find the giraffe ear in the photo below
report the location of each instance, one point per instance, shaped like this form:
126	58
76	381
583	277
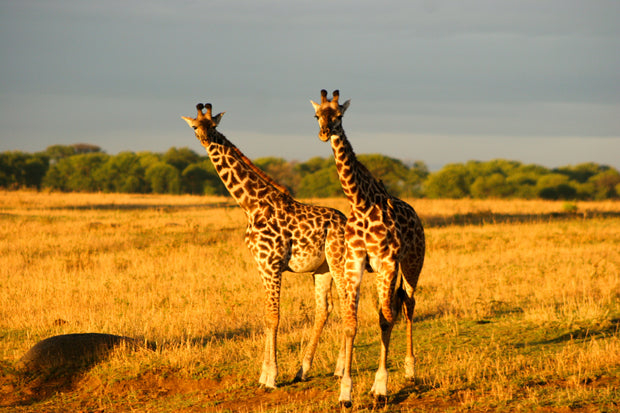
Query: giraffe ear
315	105
345	105
189	121
217	118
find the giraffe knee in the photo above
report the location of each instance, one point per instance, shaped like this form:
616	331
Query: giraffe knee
272	321
350	328
386	323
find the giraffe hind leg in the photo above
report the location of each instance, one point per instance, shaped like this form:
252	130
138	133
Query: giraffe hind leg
322	292
272	281
411	271
390	301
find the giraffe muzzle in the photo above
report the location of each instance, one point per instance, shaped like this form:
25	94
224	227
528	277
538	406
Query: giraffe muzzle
325	134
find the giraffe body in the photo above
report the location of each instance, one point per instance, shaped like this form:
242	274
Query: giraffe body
382	229
282	235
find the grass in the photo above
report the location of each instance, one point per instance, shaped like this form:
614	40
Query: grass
518	308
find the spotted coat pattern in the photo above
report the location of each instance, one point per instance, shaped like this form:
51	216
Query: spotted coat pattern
381	228
282	234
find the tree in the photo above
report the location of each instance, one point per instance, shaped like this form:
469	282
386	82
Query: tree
82	148
491	186
163	178
76	173
313	165
605	184
323	183
122	173
20	169
5	171
492	167
213	185
451	181
418	173
280	170
58	152
34	171
147	158
391	171
180	158
555	186
193	179
581	172
523	184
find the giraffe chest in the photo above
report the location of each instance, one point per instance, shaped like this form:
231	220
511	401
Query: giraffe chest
374	230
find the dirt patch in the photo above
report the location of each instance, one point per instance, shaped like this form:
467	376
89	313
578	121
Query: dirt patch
173	392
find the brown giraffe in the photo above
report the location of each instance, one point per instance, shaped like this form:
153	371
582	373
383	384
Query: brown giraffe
382	229
282	235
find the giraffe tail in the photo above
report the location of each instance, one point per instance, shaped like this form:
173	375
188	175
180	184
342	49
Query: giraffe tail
393	302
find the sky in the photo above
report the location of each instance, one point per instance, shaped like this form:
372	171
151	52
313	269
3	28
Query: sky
537	81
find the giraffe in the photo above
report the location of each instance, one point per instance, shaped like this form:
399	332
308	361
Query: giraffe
282	235
382	229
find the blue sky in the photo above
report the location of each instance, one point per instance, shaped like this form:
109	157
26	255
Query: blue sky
437	81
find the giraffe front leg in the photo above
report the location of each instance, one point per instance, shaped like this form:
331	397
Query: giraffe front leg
354	269
346	383
269	372
339	370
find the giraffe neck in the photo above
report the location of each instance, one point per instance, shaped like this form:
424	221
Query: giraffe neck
247	184
358	184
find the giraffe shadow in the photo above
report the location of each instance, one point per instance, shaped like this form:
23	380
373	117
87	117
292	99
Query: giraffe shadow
393	401
416	386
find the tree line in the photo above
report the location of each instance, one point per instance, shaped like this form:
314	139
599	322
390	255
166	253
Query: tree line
86	168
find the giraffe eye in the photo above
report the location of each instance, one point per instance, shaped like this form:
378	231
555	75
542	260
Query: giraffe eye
195	127
316	116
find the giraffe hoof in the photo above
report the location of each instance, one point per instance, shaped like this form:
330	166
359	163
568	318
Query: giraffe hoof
346	404
300	376
267	388
380	401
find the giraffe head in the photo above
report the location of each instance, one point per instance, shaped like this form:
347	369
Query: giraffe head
329	114
204	121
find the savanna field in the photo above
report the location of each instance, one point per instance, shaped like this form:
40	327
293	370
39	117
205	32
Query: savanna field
518	308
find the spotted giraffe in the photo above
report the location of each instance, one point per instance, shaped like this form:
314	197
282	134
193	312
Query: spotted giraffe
282	235
382	229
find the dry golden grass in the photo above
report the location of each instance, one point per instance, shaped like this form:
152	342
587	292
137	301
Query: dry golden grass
513	314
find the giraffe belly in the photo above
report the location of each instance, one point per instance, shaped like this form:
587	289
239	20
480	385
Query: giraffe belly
305	261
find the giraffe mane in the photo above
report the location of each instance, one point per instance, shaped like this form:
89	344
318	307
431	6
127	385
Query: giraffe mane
260	172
